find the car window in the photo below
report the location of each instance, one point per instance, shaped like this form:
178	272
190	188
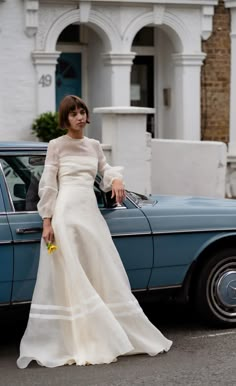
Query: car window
22	175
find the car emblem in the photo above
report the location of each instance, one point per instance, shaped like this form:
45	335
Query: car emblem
232	291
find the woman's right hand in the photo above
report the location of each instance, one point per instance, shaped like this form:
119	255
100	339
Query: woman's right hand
48	234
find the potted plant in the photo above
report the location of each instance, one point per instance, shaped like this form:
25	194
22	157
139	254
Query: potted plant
46	126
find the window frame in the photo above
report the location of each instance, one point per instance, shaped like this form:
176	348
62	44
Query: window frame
9	198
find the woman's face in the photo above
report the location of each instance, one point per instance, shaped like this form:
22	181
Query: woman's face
77	120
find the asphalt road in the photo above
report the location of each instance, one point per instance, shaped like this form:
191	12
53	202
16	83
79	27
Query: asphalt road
199	356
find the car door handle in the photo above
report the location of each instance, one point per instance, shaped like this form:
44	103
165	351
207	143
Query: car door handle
26	231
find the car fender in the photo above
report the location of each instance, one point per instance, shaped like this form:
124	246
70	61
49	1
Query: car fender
207	249
212	241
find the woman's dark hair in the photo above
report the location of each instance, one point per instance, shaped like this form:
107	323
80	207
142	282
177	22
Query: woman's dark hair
68	104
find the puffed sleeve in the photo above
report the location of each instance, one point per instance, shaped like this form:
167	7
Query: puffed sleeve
109	173
48	185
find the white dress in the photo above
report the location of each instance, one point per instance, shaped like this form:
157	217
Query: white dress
82	310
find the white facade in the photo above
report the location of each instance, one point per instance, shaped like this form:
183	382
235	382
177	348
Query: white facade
29	32
107	52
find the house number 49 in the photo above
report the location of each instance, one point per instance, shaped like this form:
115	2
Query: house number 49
45	80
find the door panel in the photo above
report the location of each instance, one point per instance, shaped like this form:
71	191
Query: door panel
22	174
26	254
131	234
6	256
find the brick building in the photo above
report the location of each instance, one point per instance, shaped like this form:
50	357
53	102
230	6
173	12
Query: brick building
215	79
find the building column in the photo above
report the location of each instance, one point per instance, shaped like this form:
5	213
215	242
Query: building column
187	95
118	77
124	128
45	64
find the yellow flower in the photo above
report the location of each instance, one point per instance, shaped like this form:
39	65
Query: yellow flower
51	247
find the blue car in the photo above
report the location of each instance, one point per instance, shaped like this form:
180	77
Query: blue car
183	247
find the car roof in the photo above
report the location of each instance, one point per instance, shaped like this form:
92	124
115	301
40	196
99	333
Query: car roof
20	145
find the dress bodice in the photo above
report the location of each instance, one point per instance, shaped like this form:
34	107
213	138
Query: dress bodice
73	162
77	170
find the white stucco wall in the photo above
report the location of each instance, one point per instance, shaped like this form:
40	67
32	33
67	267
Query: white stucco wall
188	167
17	76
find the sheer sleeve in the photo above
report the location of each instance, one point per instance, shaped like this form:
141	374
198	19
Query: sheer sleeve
48	185
109	173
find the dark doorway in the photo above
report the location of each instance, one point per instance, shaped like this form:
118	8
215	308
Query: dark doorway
142	89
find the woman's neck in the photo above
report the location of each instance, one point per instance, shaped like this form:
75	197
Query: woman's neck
75	134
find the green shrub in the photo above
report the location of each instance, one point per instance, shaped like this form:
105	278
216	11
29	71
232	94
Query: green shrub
46	127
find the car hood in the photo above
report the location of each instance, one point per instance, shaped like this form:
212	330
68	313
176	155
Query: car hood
180	213
192	201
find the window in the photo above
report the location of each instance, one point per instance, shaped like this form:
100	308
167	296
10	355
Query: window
22	175
71	34
144	37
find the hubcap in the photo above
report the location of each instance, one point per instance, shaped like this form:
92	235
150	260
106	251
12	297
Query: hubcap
221	289
226	289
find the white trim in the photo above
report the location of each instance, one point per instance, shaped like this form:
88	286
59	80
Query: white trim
144	50
48	187
181	35
207	21
97	21
230	3
63	308
65	317
124	110
80	314
31	8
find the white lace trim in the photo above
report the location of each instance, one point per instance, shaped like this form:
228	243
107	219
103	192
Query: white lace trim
65	317
75	315
48	187
51	166
62	308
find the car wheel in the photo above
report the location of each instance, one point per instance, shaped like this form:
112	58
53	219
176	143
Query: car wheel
216	289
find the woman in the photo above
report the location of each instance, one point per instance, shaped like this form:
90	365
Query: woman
82	310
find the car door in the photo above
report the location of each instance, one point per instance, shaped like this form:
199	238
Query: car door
22	173
132	236
6	252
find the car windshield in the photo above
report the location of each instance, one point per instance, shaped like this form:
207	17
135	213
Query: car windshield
137	196
140	199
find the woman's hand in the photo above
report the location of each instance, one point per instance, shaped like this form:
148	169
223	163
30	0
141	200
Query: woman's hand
118	190
48	234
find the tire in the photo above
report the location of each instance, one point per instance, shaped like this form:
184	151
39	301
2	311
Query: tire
215	295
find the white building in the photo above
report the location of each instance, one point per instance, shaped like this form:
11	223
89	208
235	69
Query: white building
146	53
132	52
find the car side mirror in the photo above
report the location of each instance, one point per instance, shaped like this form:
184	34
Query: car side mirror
19	191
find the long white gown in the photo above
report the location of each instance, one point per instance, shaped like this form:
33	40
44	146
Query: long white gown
82	310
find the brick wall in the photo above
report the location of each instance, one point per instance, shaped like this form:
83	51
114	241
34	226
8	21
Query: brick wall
215	79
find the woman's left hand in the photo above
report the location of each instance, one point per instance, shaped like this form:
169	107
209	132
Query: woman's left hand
118	190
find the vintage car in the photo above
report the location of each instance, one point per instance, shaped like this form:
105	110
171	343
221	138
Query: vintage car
181	246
